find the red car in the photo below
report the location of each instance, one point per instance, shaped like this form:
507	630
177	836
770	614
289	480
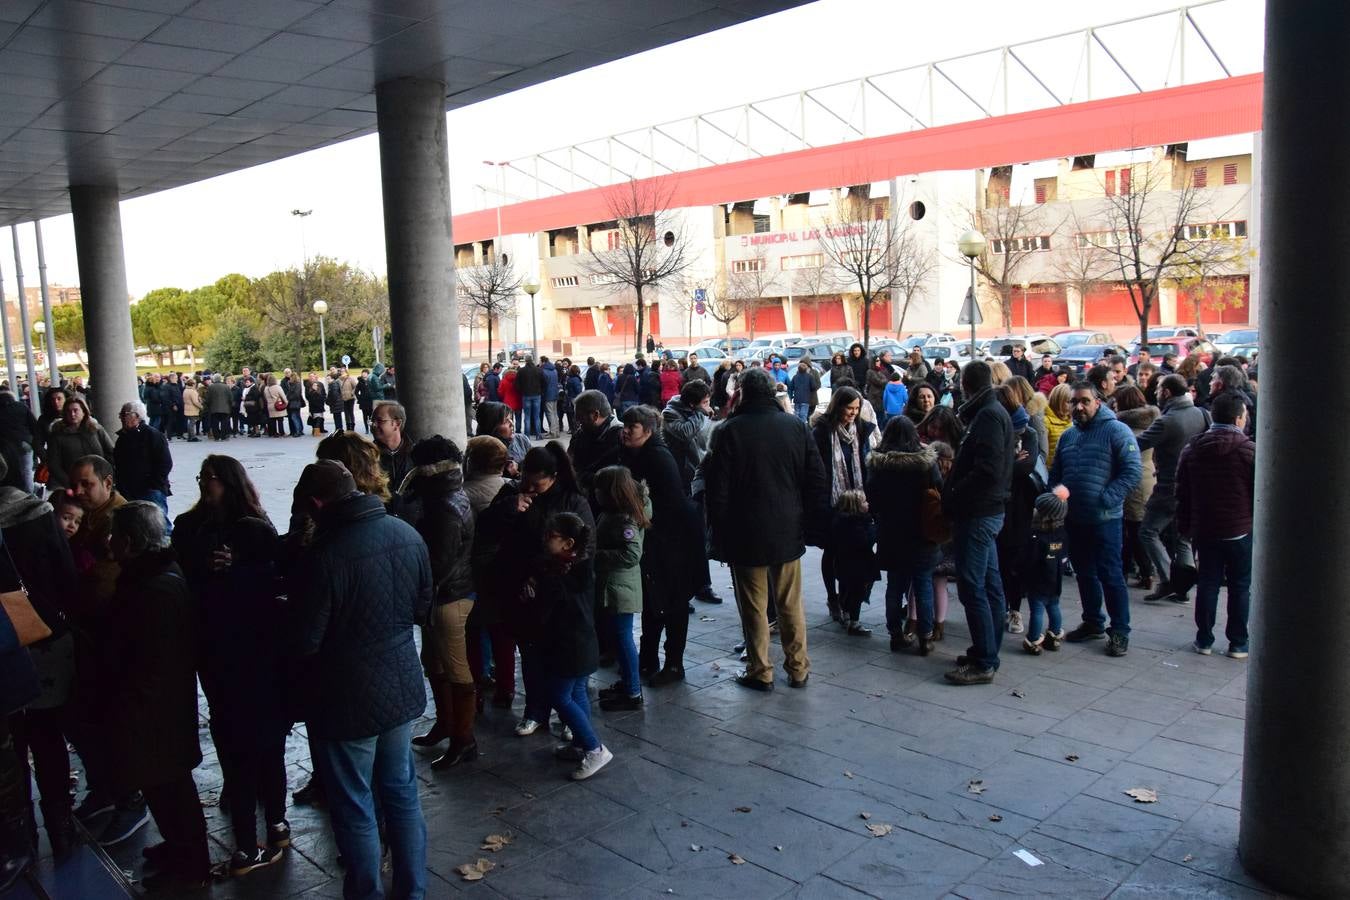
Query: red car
1182	347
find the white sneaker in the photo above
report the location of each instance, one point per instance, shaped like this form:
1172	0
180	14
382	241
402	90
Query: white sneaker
592	762
1203	651
1015	622
526	727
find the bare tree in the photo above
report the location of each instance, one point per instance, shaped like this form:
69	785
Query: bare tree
722	306
488	292
751	282
811	284
1079	263
1145	239
1012	234
650	248
1212	256
914	263
686	298
865	247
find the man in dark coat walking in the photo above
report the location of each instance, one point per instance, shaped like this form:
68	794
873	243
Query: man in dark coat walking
763	467
141	459
352	633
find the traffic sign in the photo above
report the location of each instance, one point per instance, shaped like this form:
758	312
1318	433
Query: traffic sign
970	310
346	359
700	308
700	295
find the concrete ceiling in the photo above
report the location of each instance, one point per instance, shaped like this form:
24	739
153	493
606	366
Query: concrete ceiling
154	94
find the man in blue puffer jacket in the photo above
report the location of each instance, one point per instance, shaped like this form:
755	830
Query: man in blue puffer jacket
1098	461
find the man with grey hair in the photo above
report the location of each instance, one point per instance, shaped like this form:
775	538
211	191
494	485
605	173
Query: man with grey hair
141	459
217	404
1228	378
596	442
785	500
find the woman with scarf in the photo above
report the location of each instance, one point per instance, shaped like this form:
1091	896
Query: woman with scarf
844	441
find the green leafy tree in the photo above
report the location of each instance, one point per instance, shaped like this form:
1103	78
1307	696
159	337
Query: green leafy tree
68	328
233	346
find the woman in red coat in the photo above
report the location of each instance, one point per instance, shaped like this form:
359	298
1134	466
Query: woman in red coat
510	396
670	381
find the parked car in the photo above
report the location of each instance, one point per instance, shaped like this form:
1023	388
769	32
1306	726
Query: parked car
519	351
1182	347
703	353
726	345
1082	357
1076	337
1036	344
776	341
1229	340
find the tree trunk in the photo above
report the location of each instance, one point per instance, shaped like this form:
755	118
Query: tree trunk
867	321
637	330
489	331
192	356
904	311
817	315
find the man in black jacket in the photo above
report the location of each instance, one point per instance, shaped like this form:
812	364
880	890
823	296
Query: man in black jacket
353	632
295	401
974	498
596	443
1018	364
141	459
763	467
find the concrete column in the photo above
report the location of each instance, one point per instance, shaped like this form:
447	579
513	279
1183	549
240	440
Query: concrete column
107	308
1295	831
1254	234
415	177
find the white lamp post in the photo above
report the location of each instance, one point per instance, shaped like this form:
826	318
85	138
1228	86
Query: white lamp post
971	244
40	329
321	310
531	287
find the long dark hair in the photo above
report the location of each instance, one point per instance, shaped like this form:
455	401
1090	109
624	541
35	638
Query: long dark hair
941	424
241	497
551	460
840	399
616	490
490	416
900	435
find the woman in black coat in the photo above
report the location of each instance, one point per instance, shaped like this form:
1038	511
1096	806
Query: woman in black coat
316	397
673	550
1013	539
858	364
226	547
148	678
841	437
899	475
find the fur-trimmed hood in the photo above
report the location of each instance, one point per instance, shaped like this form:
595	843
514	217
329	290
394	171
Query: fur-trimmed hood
922	460
447	472
1139	418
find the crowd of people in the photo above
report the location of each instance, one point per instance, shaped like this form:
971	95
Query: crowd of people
507	552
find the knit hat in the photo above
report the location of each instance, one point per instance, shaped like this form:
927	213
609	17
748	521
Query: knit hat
1051	509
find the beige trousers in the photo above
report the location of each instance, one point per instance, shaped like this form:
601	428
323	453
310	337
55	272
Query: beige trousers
445	652
752	594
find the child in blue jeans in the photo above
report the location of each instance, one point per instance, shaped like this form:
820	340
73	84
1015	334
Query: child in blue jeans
1044	574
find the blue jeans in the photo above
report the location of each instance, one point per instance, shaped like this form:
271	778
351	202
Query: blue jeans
803	411
626	652
573	703
979	586
353	772
916	573
1094	551
1220	561
1041	609
297	426
530	413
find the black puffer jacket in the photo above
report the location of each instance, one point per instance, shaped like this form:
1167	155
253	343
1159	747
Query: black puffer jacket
979	482
591	450
896	482
353	621
674	545
435	504
763	468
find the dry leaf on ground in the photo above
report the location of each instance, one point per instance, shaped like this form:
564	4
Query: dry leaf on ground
879	830
976	786
864	815
848	774
496	842
743	809
1019	693
995	818
475	871
736	859
695	847
1072	757
1143	795
1187	858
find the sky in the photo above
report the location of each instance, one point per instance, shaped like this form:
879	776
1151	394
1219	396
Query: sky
242	222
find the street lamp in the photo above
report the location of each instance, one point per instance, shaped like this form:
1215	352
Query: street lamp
321	310
971	244
1026	286
531	287
40	329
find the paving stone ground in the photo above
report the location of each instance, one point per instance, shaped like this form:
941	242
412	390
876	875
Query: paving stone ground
716	791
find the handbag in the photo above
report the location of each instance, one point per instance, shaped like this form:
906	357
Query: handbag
933	525
279	404
28	625
43	474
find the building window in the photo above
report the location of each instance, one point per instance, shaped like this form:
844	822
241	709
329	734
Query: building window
563	281
1214	231
1040	193
1230	173
803	261
1088	239
1111	182
1020	244
1200	176
761	224
1124	181
613	240
739	266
